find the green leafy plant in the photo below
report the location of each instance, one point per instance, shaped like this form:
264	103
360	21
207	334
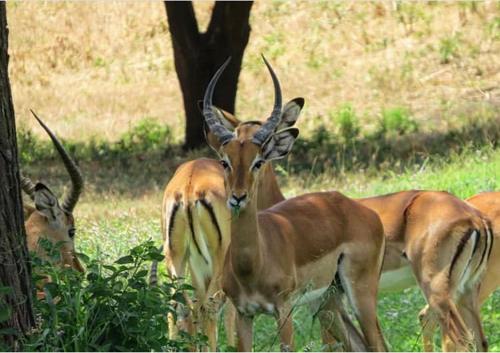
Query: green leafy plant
146	135
448	48
397	121
347	121
109	308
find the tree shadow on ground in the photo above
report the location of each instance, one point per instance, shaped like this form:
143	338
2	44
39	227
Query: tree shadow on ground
109	170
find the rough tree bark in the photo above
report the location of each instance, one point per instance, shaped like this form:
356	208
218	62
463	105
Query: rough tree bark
198	55
15	271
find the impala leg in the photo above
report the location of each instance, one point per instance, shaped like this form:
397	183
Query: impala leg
209	311
176	248
176	268
454	332
428	323
244	329
285	326
209	324
230	323
336	326
469	308
361	285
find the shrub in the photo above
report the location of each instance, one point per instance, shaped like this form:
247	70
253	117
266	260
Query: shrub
397	121
146	135
109	308
348	123
30	147
448	48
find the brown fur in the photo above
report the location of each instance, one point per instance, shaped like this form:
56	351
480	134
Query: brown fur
195	186
37	226
277	253
489	204
434	231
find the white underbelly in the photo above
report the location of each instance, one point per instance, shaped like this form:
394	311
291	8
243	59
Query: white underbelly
396	280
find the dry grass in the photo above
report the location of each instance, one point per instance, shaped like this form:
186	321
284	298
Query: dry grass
94	68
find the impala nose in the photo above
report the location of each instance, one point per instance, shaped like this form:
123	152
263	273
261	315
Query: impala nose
238	201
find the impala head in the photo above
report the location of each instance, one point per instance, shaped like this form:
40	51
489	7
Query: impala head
245	151
50	218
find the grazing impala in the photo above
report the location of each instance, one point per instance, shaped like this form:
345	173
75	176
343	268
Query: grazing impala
307	243
446	244
489	204
49	219
196	226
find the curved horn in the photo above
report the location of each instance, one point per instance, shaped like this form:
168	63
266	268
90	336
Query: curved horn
71	198
27	186
220	131
273	121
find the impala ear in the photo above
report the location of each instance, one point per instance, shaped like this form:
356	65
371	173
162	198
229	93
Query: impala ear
290	113
45	201
227	119
279	144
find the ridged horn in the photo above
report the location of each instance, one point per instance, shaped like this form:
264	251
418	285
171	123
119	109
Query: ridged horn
273	121
75	175
223	134
27	186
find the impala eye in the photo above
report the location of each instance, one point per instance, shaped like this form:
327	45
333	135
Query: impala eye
224	164
71	233
258	164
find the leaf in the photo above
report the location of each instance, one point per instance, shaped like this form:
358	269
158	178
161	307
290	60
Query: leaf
179	297
125	260
155	256
110	267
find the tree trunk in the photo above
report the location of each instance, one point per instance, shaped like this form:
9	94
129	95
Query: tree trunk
198	55
15	271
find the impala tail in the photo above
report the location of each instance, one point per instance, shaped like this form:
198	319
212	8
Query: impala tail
153	273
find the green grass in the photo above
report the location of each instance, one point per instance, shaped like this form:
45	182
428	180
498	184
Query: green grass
110	225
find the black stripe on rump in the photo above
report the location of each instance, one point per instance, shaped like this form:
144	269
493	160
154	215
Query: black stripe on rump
477	240
460	248
191	227
171	224
211	212
487	238
489	231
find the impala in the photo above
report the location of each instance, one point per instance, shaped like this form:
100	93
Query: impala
48	219
196	226
445	243
489	204
298	245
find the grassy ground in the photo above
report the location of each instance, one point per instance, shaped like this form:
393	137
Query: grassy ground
110	223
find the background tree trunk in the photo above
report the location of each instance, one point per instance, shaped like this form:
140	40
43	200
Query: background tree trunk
15	271
198	55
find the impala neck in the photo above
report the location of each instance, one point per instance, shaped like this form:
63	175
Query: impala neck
269	192
246	252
